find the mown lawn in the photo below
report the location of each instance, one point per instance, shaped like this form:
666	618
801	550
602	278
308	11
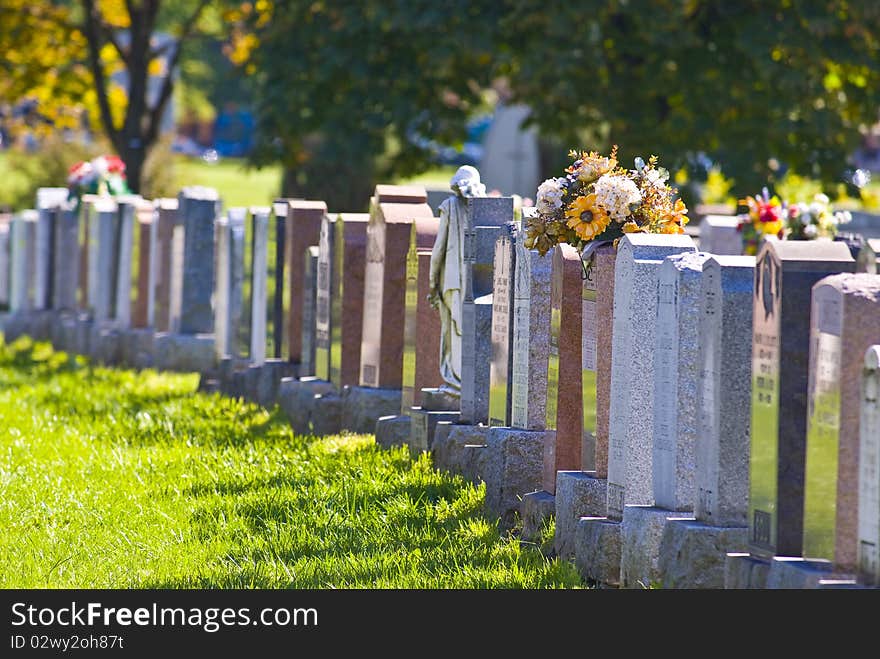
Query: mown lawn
118	479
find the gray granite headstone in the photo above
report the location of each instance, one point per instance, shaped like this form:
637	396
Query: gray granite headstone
280	306
722	448
24	229
719	235
259	276
676	380
49	202
500	367
310	280
531	337
486	217
200	207
102	245
167	219
5	265
631	432
230	279
123	258
785	272
323	282
869	470
66	268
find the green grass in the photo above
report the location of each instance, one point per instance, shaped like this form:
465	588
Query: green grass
118	479
237	185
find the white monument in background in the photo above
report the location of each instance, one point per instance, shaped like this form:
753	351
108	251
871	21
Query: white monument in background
510	153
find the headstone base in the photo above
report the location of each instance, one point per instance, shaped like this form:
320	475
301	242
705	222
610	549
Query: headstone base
423	426
104	344
137	348
692	553
64	328
641	535
597	550
35	324
744	571
185	353
327	414
83	335
298	400
515	463
361	406
578	494
536	509
440	400
462	450
803	573
262	381
393	430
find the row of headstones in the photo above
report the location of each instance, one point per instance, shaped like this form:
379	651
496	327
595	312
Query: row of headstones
667	469
521	376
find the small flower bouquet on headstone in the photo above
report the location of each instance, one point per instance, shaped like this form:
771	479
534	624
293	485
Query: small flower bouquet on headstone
765	217
597	201
814	220
104	175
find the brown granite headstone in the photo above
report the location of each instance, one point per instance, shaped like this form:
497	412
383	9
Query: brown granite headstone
347	298
388	238
302	230
562	448
604	259
844	323
167	219
421	331
146	232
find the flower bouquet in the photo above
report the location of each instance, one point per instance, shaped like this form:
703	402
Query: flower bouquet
597	201
104	175
814	220
765	217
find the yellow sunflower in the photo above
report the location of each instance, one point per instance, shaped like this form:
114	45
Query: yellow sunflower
586	217
631	227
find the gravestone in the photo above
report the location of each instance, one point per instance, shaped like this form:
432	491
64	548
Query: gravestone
676	380
145	301
123	256
844	323
421	335
392	212
167	220
87	211
102	232
280	303
869	470
302	231
604	259
323	286
49	202
347	298
562	446
589	363
5	265
719	234
230	280
200	207
867	261
486	218
722	450
785	273
631	441
501	364
24	229
309	285
259	286
66	267
531	337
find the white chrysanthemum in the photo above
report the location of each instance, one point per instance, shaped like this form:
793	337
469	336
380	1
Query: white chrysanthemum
615	194
811	231
842	217
823	199
549	196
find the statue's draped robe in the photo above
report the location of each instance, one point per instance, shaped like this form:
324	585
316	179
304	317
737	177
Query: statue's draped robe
448	277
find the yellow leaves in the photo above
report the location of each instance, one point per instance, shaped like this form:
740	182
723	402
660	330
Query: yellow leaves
241	46
114	13
157	67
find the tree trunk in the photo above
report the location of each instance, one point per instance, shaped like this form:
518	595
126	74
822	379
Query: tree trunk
134	167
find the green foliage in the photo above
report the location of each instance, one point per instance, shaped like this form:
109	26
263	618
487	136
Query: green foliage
759	86
343	87
118	479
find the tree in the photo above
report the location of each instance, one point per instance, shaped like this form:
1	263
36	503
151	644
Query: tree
347	93
755	85
65	56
